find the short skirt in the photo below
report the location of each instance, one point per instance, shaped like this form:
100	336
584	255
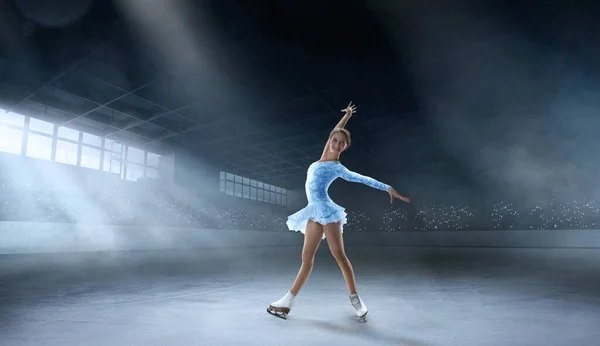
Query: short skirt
323	212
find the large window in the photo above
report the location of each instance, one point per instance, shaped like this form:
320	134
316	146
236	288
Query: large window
112	162
46	141
113	157
11	140
140	163
13	119
66	152
90	157
67	146
135	155
111	145
41	126
235	185
152	165
92	140
91	151
39	146
68	133
39	139
11	132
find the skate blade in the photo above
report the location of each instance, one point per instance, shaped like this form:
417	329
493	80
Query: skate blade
363	318
279	312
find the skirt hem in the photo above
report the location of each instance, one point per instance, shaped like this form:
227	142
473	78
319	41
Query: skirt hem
321	213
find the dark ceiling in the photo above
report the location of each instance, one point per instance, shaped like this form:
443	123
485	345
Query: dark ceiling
253	87
268	89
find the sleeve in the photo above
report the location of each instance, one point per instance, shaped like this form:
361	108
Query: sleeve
354	177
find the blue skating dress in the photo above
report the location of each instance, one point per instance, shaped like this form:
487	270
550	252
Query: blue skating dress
320	207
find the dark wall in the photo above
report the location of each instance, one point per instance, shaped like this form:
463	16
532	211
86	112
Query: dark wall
296	199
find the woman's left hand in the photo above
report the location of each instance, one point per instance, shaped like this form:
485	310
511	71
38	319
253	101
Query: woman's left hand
394	194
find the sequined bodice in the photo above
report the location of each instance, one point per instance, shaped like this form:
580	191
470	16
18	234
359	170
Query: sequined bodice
321	174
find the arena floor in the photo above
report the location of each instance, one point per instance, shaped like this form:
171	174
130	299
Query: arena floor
415	296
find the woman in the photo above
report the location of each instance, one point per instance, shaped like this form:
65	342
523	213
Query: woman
323	218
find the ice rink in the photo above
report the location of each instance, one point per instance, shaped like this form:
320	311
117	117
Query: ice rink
218	296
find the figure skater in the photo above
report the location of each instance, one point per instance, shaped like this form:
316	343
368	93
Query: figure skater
323	218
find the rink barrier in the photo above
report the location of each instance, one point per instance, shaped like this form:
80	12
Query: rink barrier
39	237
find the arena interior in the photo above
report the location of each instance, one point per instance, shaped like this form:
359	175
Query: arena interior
151	151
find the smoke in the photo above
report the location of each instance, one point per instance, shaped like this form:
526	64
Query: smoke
518	117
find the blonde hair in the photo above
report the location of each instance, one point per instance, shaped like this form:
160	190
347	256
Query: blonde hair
344	131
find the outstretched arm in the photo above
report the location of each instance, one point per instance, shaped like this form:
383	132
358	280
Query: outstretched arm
351	109
354	177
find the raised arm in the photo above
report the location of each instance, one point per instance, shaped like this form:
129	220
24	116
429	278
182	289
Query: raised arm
351	109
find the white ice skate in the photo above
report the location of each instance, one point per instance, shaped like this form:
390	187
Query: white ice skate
282	307
359	305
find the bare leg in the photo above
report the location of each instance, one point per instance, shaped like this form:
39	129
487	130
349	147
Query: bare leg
333	232
312	238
